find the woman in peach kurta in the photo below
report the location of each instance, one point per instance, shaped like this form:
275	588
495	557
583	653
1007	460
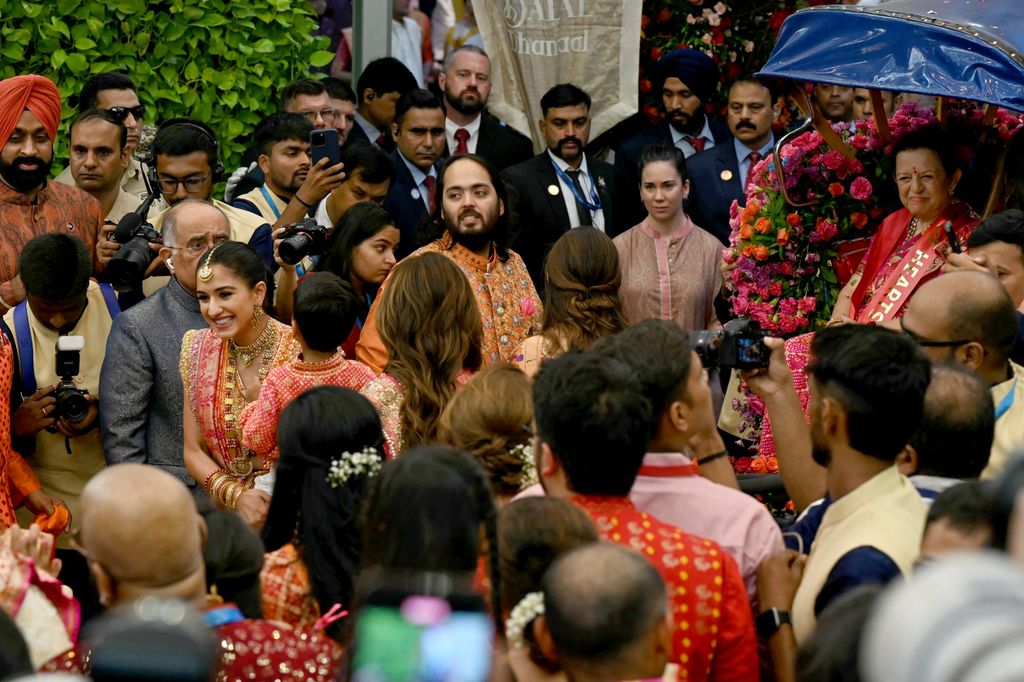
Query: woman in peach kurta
670	267
222	369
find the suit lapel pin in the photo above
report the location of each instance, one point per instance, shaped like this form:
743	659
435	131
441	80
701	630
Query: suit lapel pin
601	183
415	193
726	175
553	190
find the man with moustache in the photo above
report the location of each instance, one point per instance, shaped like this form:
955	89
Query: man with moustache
867	387
687	79
471	227
561	187
466	83
29	205
115	92
720	175
99	157
292	186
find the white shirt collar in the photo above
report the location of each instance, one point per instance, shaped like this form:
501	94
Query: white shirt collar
565	167
705	132
371	130
417	174
472	127
743	151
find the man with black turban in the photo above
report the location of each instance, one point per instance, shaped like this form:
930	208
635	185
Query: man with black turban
687	79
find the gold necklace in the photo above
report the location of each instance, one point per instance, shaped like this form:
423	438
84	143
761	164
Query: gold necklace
912	229
246	354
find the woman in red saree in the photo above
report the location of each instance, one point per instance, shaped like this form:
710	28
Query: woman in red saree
911	244
222	369
909	248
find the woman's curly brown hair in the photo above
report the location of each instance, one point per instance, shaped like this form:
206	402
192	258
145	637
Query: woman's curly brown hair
430	326
489	418
581	292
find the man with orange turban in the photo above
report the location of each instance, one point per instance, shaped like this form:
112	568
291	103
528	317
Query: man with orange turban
29	205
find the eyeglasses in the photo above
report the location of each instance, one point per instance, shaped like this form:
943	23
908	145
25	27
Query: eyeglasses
328	115
930	344
199	248
121	113
192	185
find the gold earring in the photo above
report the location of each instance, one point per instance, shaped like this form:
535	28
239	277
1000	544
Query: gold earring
257	315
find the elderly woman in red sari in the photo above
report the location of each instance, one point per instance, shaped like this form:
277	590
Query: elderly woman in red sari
222	369
912	243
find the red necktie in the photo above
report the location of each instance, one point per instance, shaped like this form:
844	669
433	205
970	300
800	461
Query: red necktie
697	143
430	182
754	158
380	140
461	137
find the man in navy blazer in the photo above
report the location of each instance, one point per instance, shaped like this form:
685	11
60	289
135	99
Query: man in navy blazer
687	80
418	132
561	187
466	83
380	86
719	175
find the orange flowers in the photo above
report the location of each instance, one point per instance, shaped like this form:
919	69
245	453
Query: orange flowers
783	237
836	189
761	252
859	219
746	231
750	210
762	225
793	219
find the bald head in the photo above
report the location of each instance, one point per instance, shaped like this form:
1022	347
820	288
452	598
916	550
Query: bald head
140	525
189	228
191	212
604	607
965	306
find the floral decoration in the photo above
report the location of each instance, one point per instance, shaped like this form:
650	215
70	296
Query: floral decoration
783	256
366	462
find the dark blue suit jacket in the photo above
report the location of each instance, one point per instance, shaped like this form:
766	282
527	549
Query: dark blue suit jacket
407	211
711	193
627	157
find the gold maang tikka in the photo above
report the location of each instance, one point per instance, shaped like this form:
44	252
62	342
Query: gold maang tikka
206	271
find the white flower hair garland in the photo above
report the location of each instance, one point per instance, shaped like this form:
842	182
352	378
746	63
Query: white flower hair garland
366	461
524	613
524	452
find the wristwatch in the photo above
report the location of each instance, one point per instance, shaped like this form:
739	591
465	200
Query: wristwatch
768	622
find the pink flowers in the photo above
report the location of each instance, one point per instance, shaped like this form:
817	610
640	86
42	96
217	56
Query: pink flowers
860	188
527	307
826	229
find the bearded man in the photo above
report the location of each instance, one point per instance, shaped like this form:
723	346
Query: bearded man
470	220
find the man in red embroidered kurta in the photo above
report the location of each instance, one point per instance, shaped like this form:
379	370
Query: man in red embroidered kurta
472	210
593	423
29	205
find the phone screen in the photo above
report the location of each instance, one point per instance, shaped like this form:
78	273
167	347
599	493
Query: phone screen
423	639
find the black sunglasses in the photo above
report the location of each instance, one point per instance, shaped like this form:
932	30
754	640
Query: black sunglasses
924	343
121	113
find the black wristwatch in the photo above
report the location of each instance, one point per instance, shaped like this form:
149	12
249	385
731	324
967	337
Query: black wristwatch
768	622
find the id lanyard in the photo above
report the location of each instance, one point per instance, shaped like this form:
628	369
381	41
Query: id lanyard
1007	402
270	200
567	181
369	302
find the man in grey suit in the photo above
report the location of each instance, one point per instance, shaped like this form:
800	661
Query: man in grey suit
140	383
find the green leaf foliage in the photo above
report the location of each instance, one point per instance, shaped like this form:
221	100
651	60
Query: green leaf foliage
222	62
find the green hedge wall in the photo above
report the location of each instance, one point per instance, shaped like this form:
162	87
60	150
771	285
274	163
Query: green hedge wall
222	62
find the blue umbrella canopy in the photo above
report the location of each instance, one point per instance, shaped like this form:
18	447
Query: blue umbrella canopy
967	49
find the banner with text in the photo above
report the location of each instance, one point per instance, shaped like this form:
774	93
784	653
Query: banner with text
535	44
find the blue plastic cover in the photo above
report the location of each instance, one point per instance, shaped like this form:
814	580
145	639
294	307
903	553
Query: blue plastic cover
969	49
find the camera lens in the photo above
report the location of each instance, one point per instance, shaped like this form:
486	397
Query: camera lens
128	266
294	248
72	405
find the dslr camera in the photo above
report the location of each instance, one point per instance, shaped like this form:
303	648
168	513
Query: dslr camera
301	239
72	402
129	265
738	345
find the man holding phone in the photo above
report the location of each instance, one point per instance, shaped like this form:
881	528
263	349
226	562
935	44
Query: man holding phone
292	185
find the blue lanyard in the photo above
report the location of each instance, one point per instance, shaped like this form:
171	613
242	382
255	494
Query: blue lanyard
228	613
1007	402
270	200
369	302
567	181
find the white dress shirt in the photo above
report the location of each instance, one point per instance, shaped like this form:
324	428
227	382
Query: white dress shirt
473	127
597	217
418	176
680	141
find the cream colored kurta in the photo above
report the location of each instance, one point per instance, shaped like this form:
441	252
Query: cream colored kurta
59	473
1009	435
886	513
